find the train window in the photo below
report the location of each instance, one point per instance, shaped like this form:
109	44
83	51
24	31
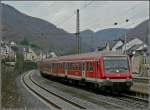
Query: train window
91	68
65	65
83	66
69	66
79	66
73	66
76	66
55	66
115	65
97	64
87	66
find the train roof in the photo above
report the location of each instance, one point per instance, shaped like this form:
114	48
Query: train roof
87	56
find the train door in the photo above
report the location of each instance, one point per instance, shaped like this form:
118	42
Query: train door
66	68
97	69
50	65
83	70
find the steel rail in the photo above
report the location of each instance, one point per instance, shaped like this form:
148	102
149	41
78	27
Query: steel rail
71	102
39	95
141	79
123	98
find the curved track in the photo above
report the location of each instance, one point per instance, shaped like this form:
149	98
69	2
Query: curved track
52	99
74	98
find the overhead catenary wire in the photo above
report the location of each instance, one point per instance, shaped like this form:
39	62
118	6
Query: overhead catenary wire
74	13
94	23
99	19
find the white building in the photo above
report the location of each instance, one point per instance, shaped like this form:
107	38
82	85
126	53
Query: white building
132	43
118	44
12	44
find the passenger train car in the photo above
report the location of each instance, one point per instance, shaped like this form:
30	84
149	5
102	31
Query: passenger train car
103	69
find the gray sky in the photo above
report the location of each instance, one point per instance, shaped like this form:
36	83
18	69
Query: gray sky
94	15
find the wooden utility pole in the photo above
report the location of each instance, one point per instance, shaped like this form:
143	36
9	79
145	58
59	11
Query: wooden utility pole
78	32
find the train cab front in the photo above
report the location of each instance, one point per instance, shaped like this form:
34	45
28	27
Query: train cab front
117	72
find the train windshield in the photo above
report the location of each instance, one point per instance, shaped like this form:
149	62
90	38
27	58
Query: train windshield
116	64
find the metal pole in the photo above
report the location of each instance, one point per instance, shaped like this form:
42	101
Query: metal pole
125	42
148	37
78	32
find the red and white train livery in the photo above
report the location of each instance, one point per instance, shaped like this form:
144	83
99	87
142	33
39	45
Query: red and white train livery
105	69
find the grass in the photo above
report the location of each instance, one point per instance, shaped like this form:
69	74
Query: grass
10	96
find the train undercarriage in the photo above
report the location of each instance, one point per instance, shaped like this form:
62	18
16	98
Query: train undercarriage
105	85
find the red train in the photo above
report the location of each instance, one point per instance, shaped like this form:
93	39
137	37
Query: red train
105	70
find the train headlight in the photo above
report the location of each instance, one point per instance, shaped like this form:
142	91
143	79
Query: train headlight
117	71
107	78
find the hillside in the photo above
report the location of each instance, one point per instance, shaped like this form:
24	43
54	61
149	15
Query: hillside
99	38
18	26
140	31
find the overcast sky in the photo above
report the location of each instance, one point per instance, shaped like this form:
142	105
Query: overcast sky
94	15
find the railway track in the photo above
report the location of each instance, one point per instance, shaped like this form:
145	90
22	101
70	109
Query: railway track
140	89
86	104
141	79
121	101
137	95
52	100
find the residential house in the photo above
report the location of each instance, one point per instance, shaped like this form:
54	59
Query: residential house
29	54
6	51
13	44
112	46
132	43
116	46
45	55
